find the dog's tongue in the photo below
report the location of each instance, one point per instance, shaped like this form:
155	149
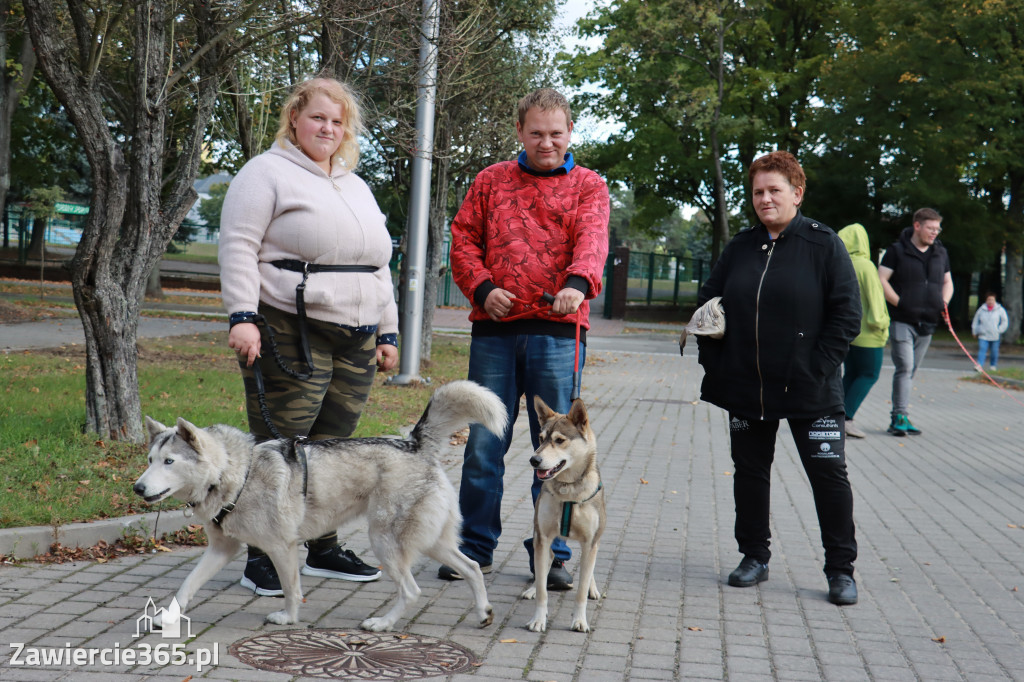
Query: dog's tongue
544	474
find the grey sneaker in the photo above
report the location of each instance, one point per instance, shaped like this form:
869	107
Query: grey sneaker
853	431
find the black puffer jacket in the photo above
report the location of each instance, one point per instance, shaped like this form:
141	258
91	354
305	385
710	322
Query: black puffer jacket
792	306
917	277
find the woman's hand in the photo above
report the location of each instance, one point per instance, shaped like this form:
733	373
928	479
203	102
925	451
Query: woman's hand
244	338
387	357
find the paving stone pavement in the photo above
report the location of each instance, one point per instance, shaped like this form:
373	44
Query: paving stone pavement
940	523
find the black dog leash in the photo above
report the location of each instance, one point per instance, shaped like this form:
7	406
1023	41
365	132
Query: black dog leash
300	301
300	307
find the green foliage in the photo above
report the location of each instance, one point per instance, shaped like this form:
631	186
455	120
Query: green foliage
209	209
699	87
42	201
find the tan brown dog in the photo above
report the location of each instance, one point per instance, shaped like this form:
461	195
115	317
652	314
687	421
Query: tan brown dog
570	504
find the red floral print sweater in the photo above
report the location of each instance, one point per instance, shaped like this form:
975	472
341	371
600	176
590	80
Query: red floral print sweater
531	234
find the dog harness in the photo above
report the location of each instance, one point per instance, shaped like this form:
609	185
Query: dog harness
300	454
226	509
567	508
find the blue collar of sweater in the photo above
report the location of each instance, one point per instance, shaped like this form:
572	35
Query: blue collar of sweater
561	170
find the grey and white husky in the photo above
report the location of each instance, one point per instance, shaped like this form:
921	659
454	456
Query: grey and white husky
570	504
275	503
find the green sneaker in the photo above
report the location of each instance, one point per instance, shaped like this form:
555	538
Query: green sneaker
900	426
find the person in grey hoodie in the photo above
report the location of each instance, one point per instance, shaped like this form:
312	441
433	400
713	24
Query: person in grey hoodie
988	326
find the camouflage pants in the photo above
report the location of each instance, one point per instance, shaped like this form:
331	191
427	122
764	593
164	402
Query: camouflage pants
328	403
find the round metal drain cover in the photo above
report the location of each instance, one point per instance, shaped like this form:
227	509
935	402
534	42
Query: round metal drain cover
344	655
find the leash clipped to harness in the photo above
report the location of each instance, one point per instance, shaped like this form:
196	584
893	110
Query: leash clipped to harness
567	508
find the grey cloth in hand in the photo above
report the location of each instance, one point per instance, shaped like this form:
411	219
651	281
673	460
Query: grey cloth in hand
707	320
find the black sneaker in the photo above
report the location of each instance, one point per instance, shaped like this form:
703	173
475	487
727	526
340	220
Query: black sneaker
335	562
559	579
260	576
749	573
449	573
842	589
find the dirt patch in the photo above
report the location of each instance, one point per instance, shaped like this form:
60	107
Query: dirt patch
11	313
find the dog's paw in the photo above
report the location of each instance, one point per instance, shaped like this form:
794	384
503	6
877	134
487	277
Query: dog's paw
580	624
594	593
530	592
280	618
488	617
376	624
157	623
539	623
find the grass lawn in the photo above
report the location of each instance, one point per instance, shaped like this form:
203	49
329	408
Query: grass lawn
54	474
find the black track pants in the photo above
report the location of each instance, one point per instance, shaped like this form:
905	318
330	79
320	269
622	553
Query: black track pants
821	444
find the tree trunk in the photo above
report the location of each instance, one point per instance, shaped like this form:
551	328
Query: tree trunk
1013	293
37	243
435	249
154	288
128	228
11	90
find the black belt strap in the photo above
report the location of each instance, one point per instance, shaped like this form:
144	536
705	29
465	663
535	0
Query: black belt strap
305	268
300	300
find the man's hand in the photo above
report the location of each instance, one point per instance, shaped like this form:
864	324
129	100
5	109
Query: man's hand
498	304
245	339
567	301
387	357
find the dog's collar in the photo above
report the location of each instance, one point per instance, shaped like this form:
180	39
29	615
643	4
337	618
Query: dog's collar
230	506
567	510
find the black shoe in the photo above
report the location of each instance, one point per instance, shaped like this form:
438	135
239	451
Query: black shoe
335	562
449	573
749	573
842	589
260	576
559	579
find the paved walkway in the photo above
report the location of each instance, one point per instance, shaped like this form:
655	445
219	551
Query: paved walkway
940	522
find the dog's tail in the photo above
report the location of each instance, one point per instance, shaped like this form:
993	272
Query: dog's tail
456	404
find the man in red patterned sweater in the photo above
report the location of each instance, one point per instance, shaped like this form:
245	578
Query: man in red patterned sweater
527	227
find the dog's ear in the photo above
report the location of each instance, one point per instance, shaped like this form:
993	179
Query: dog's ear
193	436
544	413
578	415
154	427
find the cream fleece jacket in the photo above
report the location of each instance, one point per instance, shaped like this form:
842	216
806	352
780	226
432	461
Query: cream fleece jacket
282	205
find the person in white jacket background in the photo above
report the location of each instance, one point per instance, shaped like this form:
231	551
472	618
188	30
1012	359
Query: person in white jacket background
989	324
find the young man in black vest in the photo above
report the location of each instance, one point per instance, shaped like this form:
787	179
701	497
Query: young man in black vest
918	285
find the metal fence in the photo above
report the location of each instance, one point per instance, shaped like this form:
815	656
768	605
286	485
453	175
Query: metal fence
663	278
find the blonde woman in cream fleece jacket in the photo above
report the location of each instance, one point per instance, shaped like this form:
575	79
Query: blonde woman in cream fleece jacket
299	207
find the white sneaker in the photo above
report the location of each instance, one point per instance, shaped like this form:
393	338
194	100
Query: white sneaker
992	368
853	431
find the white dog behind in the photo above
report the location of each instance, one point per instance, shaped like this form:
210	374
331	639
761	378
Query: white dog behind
261	494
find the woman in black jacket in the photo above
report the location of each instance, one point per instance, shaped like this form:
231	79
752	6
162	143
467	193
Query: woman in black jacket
792	306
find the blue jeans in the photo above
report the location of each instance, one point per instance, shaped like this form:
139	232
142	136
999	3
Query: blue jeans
983	349
908	349
511	366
